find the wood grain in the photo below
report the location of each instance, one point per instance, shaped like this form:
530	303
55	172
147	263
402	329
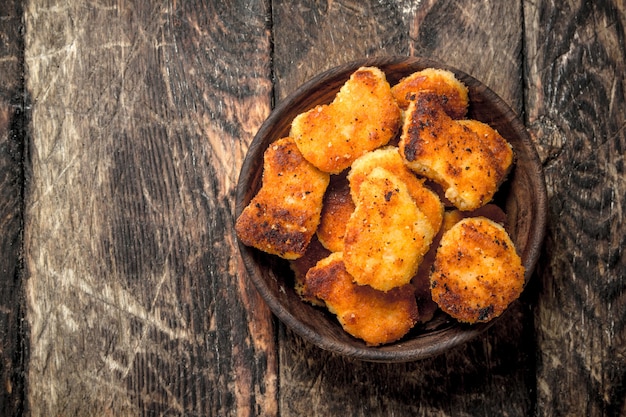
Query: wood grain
13	350
482	38
142	112
469	380
123	125
576	111
310	36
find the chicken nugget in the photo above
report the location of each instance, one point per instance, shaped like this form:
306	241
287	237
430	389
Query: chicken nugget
337	209
390	159
421	280
498	146
363	116
477	272
283	216
450	153
454	94
387	234
376	317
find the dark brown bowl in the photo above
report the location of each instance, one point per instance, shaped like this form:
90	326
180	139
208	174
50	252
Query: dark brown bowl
523	198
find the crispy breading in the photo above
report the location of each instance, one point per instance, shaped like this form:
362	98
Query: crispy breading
497	145
454	93
283	216
390	159
363	116
376	317
450	153
387	234
477	272
337	209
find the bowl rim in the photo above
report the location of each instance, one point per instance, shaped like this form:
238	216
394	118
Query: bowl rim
396	352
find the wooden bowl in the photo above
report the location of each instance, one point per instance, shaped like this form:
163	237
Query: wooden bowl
523	198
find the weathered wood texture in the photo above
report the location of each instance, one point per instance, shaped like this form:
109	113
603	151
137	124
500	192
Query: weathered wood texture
13	349
123	125
577	112
490	375
142	112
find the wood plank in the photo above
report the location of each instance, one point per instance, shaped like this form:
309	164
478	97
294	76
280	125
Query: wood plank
142	113
491	375
13	354
576	112
483	39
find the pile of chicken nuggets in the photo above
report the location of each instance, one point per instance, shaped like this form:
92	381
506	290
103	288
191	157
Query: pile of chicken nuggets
382	203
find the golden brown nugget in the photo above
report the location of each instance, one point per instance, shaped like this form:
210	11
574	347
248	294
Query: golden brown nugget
390	159
387	235
374	316
363	116
452	154
498	146
453	93
421	281
283	217
425	304
337	208
477	272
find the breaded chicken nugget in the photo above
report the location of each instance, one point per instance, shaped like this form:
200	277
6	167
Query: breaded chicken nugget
453	93
421	280
390	159
498	146
374	316
469	166
285	213
363	116
337	208
387	235
477	272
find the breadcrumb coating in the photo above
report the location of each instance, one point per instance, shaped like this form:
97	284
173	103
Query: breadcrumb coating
376	317
337	208
362	117
387	235
468	159
477	272
283	216
390	159
453	93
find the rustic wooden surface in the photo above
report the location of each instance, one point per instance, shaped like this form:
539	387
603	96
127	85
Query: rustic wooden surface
576	110
123	125
13	118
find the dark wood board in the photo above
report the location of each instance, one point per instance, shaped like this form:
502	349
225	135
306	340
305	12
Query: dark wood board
123	126
141	114
13	347
489	375
576	111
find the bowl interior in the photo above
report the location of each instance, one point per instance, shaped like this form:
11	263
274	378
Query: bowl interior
523	198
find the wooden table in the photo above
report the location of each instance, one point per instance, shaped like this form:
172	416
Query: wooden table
123	126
